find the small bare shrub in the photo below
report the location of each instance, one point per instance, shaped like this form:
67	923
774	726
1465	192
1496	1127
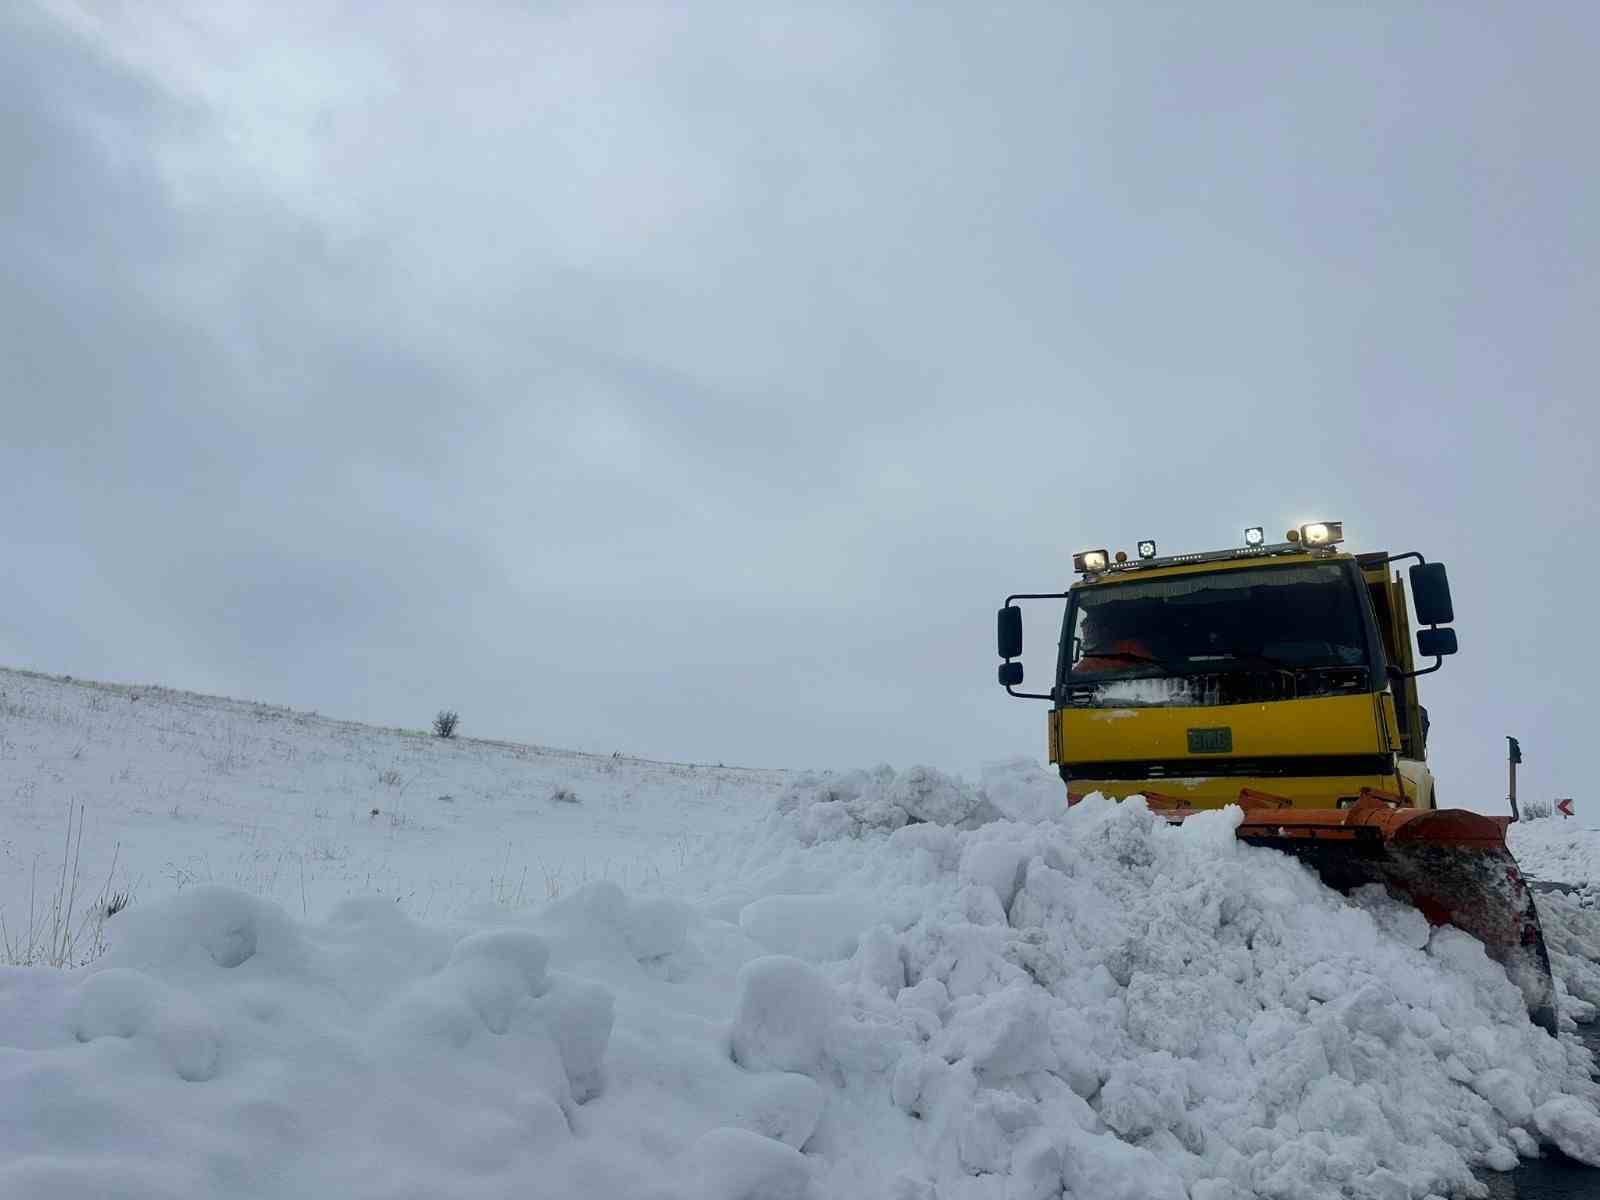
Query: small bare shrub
1534	810
509	892
70	931
563	795
389	777
444	725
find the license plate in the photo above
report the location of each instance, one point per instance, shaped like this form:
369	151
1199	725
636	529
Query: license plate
1211	741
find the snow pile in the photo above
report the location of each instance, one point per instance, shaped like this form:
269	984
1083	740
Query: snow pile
222	1048
1572	935
225	1049
826	805
1023	790
1568	856
1110	1005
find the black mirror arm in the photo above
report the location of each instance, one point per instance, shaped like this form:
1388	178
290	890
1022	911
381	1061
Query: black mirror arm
1011	691
1396	673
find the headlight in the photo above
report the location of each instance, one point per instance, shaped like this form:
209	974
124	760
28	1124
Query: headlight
1090	560
1254	536
1322	533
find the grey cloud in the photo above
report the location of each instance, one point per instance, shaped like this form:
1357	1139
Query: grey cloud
696	380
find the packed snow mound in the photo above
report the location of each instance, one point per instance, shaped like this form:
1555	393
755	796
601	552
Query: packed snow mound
1100	1003
221	1046
1572	935
1560	850
828	805
1022	790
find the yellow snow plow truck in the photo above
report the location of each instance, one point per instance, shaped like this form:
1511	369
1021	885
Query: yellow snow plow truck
1280	677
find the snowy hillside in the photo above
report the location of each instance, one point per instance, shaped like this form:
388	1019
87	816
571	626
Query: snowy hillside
543	974
305	811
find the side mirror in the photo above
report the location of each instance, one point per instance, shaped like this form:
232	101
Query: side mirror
1010	674
1009	634
1436	642
1430	592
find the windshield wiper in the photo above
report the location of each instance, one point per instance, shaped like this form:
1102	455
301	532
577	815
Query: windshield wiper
1129	656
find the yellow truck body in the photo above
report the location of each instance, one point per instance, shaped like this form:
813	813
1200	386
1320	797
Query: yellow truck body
1281	678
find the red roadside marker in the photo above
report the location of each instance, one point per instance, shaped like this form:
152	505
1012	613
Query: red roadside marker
1564	807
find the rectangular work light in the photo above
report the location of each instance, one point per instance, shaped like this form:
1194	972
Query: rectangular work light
1322	533
1090	560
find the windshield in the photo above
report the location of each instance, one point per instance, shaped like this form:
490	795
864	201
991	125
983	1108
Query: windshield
1288	618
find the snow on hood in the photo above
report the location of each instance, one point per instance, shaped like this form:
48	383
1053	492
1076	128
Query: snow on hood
1161	690
885	989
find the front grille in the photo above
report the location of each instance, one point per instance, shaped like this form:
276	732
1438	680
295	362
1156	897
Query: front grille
1233	687
1263	766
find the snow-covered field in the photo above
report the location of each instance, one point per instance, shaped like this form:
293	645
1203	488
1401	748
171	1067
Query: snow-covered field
306	811
539	974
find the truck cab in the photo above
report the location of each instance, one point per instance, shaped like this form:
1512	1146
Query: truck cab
1282	669
1281	678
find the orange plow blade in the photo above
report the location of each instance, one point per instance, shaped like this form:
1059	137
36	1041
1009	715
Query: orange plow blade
1452	865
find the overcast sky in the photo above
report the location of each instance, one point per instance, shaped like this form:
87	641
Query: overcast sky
695	379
